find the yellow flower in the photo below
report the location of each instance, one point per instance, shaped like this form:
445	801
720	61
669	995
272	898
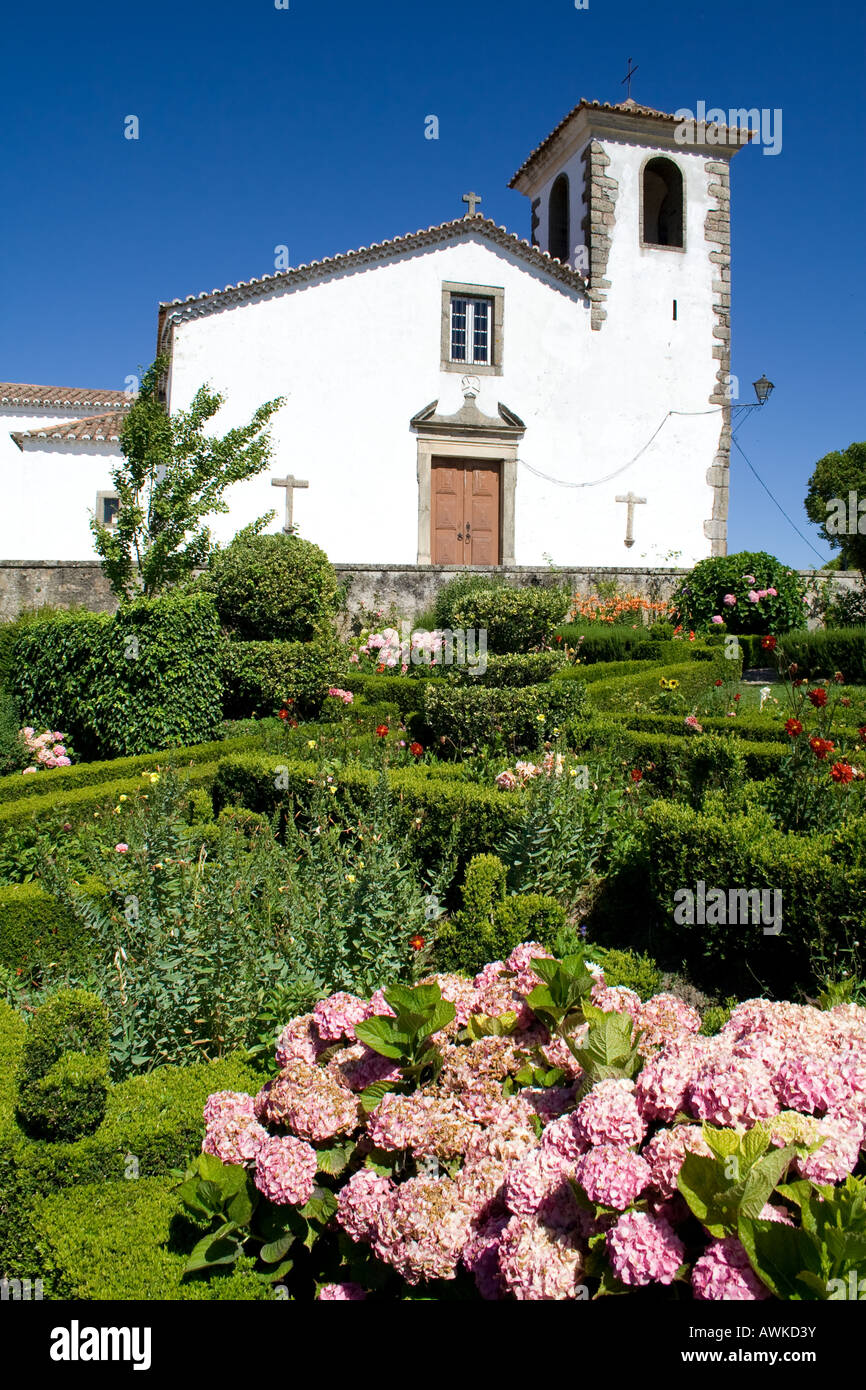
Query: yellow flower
311	743
555	733
122	796
663	683
117	810
672	685
360	863
154	778
333	791
539	719
350	878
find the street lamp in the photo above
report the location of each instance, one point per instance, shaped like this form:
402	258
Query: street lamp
763	390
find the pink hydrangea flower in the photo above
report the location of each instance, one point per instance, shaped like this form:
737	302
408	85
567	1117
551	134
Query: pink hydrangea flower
481	1256
663	1019
730	600
644	1249
737	1092
615	999
286	1171
609	1115
341	1293
538	1262
336	1016
422	1228
613	1176
723	1273
300	1041
232	1132
310	1101
666	1151
358	1202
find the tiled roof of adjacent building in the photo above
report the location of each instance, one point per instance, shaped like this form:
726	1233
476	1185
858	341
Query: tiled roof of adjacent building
365	255
96	429
14	395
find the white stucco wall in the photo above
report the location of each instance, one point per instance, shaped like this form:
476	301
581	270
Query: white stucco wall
358	354
48	489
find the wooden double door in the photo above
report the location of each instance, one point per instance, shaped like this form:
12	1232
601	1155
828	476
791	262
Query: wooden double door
465	497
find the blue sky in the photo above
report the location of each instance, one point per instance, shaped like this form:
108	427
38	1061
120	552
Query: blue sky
305	127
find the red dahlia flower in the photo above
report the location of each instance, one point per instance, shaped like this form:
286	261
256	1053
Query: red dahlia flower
862	732
768	644
416	749
416	942
821	746
841	772
718	682
381	730
818	698
636	774
793	728
283	714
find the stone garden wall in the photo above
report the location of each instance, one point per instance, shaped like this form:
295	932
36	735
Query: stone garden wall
412	588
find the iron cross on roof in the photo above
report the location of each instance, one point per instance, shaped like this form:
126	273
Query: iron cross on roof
472	199
627	80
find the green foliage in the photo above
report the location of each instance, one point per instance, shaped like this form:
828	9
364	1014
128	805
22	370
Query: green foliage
13	755
467	717
701	594
406	692
63	1074
490	925
515	669
833	478
598	642
273	588
419	1012
629	969
173	476
823	1257
715	1016
737	1181
71	1021
35	932
516	620
452	594
847	609
68	1101
51	788
821	880
261	676
826	651
128	1240
693	681
562	1001
143	679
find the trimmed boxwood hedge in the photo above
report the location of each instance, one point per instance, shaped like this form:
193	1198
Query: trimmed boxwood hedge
259	676
127	1241
822	880
512	669
464	715
36	931
61	779
119	684
155	1119
406	692
695	678
433	801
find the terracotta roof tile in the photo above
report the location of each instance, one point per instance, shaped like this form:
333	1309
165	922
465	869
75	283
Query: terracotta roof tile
627	108
194	305
14	395
95	429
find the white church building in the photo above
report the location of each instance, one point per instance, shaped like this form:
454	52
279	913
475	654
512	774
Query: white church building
458	395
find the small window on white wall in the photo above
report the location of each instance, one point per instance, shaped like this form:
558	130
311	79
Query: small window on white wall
472	328
107	506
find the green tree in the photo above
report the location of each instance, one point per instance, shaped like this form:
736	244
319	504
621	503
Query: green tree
171	478
841	519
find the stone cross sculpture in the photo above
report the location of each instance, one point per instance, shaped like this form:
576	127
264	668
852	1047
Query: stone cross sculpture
629	525
290	482
472	199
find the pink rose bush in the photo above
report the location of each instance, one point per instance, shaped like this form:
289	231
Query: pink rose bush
48	748
487	1144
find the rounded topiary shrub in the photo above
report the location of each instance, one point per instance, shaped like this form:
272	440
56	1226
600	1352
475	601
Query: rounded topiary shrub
273	588
73	1020
751	592
68	1101
63	1076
